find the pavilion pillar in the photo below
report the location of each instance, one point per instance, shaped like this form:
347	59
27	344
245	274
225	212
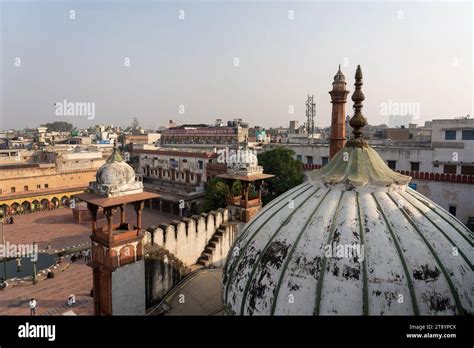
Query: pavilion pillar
109	213
93	210
122	214
246	192
138	209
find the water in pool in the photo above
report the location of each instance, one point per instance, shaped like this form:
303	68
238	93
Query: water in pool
26	269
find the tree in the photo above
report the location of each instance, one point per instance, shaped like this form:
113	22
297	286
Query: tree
287	170
236	188
216	195
59	126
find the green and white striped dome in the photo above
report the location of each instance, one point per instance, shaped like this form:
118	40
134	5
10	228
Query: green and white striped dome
352	240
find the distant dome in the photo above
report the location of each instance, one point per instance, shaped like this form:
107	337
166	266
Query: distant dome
352	240
115	173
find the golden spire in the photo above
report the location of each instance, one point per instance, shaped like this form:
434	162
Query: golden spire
358	120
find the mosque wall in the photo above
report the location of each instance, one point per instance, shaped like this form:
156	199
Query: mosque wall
162	272
172	250
187	239
130	299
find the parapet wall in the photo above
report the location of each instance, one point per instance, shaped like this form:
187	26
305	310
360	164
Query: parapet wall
187	238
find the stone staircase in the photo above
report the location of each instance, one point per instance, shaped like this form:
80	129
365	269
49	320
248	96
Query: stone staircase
205	259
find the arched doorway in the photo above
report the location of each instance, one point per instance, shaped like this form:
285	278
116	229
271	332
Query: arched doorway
26	207
44	204
4	210
35	205
55	202
15	208
64	201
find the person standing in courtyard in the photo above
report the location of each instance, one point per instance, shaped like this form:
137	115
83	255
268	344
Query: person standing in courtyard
32	307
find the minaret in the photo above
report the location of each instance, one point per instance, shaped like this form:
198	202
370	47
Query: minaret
338	119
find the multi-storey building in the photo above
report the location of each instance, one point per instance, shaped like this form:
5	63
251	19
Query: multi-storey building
442	167
178	175
44	179
203	136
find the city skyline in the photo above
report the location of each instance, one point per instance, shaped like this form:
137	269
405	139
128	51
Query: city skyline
155	62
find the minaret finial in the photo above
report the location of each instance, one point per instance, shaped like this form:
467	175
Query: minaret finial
358	120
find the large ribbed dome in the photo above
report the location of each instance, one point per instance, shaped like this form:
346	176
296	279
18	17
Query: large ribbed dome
352	240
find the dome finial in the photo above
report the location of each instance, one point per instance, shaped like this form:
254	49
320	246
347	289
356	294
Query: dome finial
115	157
358	121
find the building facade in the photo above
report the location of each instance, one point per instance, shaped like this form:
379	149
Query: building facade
38	180
178	175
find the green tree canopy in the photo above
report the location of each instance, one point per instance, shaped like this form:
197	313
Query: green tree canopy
59	126
287	170
216	195
236	188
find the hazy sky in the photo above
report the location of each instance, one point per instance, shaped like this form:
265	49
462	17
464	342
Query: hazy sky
413	55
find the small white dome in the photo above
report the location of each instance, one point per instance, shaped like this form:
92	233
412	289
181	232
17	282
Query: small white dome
115	178
115	173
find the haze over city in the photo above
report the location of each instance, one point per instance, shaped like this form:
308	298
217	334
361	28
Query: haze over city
185	54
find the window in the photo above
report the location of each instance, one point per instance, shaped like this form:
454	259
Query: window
467	135
452	209
467	170
46	185
450	135
25	188
309	159
299	158
185	160
415	166
200	164
38	186
324	160
436	165
449	169
12	190
392	165
192	177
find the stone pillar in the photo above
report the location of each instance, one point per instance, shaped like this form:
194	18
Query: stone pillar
122	215
93	210
138	209
109	213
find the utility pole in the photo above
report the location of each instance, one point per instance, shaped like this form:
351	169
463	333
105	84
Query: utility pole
310	114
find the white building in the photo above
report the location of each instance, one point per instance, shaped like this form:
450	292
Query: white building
440	168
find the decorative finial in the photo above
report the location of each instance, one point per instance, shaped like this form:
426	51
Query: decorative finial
358	120
339	83
115	157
